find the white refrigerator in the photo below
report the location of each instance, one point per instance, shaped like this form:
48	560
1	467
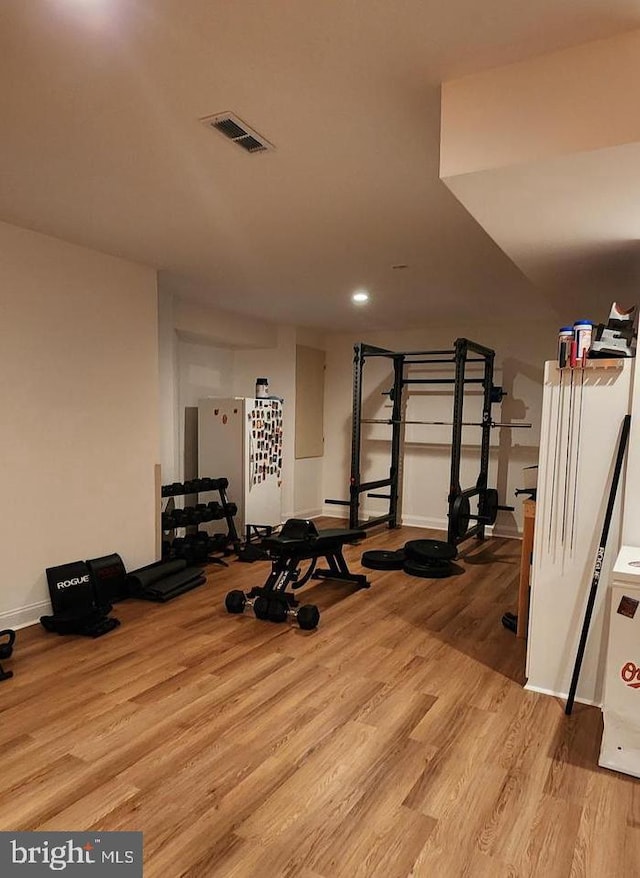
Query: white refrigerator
241	439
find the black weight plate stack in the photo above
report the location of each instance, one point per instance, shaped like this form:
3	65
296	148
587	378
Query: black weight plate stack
489	505
377	559
460	514
428	570
427	551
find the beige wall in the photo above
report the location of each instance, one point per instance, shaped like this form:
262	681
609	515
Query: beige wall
79	438
569	101
520	354
237	350
278	364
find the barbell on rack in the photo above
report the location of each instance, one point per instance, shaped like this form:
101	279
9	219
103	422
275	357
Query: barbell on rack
492	424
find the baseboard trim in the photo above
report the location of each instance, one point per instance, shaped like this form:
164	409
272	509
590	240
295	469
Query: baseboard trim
508	533
310	513
562	695
424	521
332	512
24	616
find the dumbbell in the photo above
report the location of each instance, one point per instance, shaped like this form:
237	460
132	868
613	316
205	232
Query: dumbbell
218	542
273	609
215	510
184	517
194	551
172	490
179	517
206	485
199	513
277	609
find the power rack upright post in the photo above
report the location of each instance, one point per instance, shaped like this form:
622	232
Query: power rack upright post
463	352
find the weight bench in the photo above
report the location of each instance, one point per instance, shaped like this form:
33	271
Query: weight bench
298	541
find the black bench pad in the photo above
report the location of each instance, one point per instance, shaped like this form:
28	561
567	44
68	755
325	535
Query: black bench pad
315	545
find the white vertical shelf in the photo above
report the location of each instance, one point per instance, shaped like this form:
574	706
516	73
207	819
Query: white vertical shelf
582	415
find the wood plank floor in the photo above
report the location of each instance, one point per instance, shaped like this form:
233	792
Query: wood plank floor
396	740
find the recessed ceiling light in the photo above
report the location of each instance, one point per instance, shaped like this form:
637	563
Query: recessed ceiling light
360	296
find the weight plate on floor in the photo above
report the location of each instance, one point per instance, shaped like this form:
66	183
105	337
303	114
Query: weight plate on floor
430	550
428	571
377	559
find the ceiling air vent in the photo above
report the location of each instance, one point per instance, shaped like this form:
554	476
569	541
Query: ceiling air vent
237	131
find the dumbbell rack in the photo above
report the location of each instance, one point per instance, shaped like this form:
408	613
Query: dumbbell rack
192	516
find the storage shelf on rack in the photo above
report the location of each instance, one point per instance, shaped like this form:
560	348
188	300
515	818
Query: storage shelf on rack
614	363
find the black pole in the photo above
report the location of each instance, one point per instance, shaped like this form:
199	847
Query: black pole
456	435
622	445
394	469
485	448
354	481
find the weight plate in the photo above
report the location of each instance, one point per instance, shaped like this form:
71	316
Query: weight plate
376	559
489	506
428	571
459	515
430	550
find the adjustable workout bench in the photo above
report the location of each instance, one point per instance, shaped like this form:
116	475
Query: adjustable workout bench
298	541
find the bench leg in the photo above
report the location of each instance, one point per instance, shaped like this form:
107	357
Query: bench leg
339	570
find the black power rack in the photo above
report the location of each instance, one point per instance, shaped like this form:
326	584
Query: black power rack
464	352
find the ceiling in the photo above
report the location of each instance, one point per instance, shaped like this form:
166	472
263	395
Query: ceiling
101	145
578	227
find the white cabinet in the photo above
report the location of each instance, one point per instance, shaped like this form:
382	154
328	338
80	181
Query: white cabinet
581	420
621	706
241	439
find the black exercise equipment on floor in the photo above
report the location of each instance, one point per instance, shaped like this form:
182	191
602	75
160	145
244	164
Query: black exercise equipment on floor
430	550
164	580
109	578
196	548
94	623
298	541
428	569
78	608
187	548
460	514
7	640
427	559
379	559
